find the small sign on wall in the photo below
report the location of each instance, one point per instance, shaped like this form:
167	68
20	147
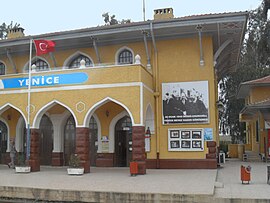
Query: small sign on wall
208	134
105	144
267	124
147	144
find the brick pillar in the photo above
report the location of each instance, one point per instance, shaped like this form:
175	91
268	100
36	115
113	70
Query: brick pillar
138	148
82	147
34	160
57	159
212	150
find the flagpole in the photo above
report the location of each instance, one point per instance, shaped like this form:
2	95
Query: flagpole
143	10
29	103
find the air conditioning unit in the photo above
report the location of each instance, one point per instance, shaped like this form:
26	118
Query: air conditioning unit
221	158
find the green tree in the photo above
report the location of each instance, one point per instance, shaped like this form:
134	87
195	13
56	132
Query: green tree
254	63
4	28
111	20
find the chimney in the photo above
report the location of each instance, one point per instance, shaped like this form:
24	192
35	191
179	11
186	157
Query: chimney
164	13
15	33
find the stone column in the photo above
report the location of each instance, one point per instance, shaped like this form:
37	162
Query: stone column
57	153
138	148
82	147
34	160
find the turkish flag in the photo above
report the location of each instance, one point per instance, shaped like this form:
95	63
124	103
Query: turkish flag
44	46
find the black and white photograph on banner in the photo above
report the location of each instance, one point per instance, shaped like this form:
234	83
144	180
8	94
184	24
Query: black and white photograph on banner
185	135
185	102
196	144
196	135
185	144
174	133
175	144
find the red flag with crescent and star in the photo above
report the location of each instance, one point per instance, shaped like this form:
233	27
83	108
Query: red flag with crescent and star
44	46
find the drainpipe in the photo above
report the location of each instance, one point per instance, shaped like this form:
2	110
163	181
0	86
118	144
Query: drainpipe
146	50
199	29
96	49
11	61
156	95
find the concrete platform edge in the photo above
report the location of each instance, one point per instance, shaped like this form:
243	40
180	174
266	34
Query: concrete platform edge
40	195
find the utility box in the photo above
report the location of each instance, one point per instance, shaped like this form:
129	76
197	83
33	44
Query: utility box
221	158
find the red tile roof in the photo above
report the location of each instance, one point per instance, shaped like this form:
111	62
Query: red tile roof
245	87
264	80
262	103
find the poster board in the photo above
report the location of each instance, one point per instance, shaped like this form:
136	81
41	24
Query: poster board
185	139
185	102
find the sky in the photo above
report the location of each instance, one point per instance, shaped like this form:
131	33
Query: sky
39	17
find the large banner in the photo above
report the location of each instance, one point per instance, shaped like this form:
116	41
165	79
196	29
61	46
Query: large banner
185	102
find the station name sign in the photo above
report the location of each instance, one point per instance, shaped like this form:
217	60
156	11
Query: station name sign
44	80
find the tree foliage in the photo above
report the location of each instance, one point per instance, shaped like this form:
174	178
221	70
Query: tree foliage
4	28
254	63
111	20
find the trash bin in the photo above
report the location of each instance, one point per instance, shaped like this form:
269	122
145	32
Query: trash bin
268	175
245	174
133	166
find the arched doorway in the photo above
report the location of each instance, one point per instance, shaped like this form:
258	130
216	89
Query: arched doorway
123	142
93	138
69	139
3	141
46	140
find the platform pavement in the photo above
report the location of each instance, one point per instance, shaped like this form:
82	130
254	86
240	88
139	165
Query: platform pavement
115	180
158	185
229	176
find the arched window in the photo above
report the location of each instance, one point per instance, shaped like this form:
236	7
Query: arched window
2	69
125	57
125	123
93	138
75	63
45	140
69	139
93	124
3	137
41	65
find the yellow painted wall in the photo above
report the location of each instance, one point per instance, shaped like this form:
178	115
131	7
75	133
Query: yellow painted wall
255	144
149	100
113	109
258	94
258	146
262	133
71	98
90	97
233	150
11	116
57	109
108	75
186	69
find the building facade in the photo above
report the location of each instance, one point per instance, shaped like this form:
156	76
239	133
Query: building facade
144	92
256	115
